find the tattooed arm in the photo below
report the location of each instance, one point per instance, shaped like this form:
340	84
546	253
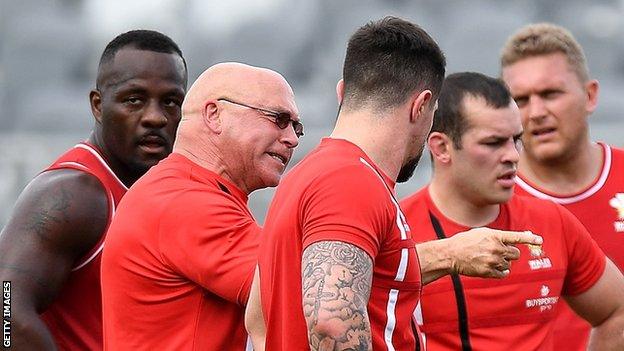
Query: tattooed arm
336	283
58	218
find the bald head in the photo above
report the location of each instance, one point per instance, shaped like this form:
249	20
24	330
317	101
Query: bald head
230	124
235	81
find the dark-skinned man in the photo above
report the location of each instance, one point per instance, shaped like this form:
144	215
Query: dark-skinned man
50	249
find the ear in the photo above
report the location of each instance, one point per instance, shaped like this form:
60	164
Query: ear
212	117
95	99
591	89
420	104
340	91
440	146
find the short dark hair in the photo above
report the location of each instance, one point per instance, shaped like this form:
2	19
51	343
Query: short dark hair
389	59
140	39
449	118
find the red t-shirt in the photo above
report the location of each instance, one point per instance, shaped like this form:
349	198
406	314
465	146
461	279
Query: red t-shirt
75	316
517	312
337	193
600	208
178	263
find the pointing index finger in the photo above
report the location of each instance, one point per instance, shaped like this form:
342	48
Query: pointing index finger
526	237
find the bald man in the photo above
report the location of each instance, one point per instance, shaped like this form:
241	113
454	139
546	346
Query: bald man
181	251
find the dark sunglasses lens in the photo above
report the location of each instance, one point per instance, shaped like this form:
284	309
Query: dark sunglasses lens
298	128
282	120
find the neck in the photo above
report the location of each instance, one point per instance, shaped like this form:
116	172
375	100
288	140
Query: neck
124	174
458	208
204	153
383	141
567	174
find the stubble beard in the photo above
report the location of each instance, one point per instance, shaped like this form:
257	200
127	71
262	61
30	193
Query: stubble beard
407	170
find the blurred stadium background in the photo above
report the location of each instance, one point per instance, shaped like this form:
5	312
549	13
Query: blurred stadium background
49	52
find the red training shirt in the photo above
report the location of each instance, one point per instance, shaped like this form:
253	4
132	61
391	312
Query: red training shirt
600	207
336	193
516	312
75	316
178	263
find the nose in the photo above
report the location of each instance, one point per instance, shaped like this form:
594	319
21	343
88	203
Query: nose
511	153
154	116
536	108
288	137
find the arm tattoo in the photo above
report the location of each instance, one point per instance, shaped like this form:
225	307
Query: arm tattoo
52	210
336	283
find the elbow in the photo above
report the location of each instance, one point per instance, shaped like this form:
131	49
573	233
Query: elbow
29	332
616	316
334	331
23	321
251	322
254	324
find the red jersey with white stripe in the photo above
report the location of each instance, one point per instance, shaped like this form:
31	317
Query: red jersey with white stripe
75	317
600	207
338	194
179	260
517	312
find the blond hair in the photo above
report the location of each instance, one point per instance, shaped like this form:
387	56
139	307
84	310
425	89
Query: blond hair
543	39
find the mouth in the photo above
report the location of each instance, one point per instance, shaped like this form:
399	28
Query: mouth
507	179
153	143
542	132
280	158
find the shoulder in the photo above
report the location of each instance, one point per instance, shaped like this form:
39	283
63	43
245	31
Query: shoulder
616	150
414	201
617	156
81	193
355	180
65	209
209	203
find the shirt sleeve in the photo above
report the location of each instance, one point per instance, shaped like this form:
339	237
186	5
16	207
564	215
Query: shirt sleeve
586	262
348	205
213	242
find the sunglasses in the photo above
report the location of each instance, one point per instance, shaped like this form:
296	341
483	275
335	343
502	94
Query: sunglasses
281	119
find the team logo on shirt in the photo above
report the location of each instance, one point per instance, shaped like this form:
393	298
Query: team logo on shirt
545	302
618	204
540	261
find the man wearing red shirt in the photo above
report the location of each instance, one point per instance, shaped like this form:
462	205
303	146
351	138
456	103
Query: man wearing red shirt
546	71
181	251
339	268
50	250
474	145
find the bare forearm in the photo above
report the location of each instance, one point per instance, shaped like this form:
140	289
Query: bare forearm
336	281
435	260
610	334
344	334
254	319
602	306
479	252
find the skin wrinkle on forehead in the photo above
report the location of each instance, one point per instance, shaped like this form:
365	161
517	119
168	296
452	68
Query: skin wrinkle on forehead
238	81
